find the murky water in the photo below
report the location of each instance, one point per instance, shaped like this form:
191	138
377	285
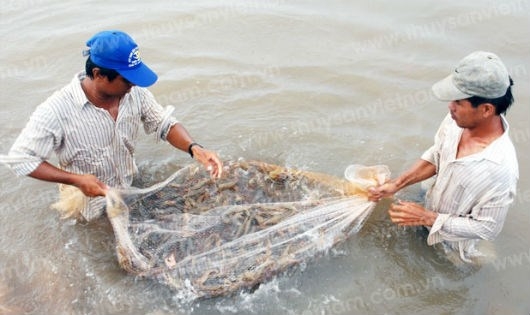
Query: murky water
316	85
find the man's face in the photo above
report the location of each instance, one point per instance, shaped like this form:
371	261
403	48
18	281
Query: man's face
464	114
115	88
118	87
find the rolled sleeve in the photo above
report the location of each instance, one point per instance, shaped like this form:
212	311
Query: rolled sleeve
35	143
434	234
430	155
168	121
453	228
21	165
155	118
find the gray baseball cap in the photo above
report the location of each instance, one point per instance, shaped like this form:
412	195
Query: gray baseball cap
480	73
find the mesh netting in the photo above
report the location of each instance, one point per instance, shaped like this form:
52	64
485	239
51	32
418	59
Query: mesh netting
214	237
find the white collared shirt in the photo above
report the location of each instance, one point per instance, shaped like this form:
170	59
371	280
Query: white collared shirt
86	139
471	194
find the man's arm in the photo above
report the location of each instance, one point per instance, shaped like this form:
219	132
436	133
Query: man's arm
169	129
484	221
421	170
89	184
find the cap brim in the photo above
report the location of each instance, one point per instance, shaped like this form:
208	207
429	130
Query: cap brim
140	75
445	90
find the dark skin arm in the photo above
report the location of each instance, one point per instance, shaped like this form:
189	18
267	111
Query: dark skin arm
179	137
403	212
421	170
90	185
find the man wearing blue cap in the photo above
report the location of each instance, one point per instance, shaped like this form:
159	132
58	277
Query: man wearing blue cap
92	125
473	161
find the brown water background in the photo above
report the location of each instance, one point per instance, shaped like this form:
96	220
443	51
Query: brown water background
316	85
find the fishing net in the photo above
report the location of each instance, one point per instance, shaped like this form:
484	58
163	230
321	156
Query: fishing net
210	237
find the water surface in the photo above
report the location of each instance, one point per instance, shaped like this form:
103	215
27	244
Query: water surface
316	85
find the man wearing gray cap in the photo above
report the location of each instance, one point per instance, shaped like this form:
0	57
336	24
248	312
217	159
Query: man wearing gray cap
473	161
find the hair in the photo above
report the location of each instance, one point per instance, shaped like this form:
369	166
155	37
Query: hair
109	73
501	103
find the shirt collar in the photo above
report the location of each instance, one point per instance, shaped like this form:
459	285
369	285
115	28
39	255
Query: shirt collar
497	148
495	151
79	96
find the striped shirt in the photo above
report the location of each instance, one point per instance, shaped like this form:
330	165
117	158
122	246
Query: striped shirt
85	138
471	194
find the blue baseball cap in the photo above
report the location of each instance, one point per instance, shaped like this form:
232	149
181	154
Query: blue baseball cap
117	51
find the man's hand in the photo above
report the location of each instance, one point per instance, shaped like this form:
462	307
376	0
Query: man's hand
411	214
90	185
209	160
387	189
421	170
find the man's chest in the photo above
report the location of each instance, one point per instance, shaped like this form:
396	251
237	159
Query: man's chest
97	127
